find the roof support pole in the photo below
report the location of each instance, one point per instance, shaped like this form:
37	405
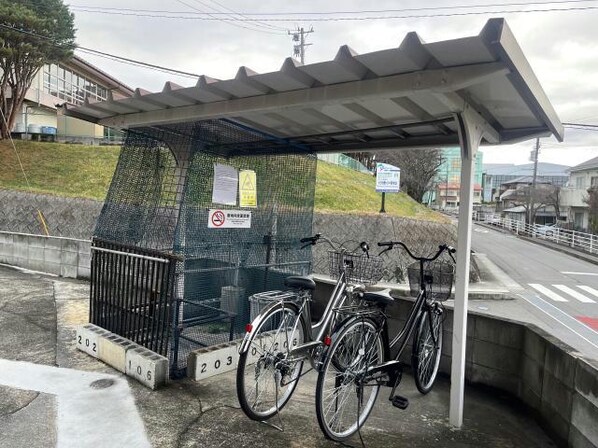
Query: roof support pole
471	129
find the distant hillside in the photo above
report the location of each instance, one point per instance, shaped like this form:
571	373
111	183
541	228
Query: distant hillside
86	171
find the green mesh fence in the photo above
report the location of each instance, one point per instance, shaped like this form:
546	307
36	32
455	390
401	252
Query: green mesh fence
161	198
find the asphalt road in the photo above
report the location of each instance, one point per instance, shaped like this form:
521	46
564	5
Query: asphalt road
557	284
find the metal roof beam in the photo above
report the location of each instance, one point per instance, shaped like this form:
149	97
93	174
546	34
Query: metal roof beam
457	104
441	80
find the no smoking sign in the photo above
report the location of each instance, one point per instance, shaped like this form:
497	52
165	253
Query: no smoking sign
218	218
229	219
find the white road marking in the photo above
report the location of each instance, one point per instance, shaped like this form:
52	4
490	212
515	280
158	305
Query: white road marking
579	296
588	289
558	320
547	292
86	416
579	273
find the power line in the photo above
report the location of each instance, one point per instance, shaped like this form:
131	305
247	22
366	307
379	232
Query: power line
212	16
136	63
370	11
354	18
103	54
571	125
266	25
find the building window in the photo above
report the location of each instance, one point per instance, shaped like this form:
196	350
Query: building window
594	181
63	83
579	183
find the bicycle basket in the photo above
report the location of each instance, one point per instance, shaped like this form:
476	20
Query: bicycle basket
359	268
438	279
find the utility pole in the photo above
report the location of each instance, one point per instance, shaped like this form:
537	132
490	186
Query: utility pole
446	185
532	192
299	37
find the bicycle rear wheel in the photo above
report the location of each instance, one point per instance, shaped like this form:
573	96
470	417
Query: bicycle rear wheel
267	375
343	400
427	349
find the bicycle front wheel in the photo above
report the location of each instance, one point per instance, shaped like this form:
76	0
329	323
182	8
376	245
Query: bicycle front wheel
267	374
343	399
427	349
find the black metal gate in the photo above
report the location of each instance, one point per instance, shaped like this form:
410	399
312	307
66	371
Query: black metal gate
132	293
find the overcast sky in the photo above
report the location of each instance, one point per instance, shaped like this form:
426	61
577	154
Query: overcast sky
562	47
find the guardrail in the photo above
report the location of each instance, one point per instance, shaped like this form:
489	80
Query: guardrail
587	242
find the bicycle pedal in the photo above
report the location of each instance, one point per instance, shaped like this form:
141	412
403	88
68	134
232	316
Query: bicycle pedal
399	402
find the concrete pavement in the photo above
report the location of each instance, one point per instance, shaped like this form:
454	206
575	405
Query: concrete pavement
38	317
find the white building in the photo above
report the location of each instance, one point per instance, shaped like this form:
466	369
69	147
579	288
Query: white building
582	177
72	81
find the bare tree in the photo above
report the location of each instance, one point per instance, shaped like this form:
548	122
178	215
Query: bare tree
592	201
554	198
532	199
418	168
365	158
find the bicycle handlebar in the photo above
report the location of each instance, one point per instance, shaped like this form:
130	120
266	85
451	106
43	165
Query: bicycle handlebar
443	247
313	240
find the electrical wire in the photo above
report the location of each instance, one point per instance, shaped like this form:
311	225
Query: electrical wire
353	18
581	127
103	54
211	16
370	11
266	25
135	62
571	125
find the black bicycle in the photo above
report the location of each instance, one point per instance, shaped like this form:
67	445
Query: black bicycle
358	362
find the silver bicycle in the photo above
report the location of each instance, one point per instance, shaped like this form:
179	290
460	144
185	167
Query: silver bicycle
282	336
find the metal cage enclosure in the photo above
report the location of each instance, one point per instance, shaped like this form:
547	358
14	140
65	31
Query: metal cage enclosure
154	254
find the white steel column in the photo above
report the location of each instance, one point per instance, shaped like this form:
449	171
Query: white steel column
470	133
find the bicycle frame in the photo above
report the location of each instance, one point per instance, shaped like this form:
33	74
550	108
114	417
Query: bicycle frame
404	335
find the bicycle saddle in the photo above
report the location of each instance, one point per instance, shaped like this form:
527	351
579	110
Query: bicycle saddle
299	282
381	297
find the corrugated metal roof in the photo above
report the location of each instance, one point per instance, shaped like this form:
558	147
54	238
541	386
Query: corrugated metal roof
400	97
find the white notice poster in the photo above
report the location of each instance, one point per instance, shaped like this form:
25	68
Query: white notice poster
226	180
388	178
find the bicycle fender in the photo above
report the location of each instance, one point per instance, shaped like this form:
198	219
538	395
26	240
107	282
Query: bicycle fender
257	322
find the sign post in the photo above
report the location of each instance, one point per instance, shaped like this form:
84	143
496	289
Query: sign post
388	180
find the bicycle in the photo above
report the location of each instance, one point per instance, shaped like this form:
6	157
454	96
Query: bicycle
281	337
358	363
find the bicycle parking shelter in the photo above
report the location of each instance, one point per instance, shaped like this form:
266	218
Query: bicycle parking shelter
153	245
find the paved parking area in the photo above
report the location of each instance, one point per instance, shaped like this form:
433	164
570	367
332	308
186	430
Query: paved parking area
38	317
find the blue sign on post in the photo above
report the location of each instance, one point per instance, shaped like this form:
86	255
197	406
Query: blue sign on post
388	178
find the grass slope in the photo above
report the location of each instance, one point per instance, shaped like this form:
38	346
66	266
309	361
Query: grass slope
86	171
60	169
342	190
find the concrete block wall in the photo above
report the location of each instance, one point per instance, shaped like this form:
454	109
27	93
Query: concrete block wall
66	257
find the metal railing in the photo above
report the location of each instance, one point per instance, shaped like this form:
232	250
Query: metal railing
132	293
587	242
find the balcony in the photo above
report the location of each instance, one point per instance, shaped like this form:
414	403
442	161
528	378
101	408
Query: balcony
572	197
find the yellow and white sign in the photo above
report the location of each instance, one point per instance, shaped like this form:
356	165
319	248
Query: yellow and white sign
247	189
